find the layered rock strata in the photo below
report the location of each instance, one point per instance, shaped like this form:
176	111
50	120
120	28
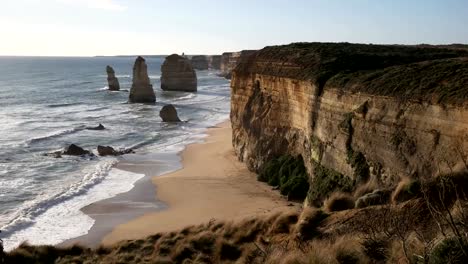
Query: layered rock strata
177	74
200	62
359	111
142	90
229	61
112	81
215	62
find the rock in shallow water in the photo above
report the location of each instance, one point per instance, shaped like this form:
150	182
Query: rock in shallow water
177	74
110	151
74	150
142	90
169	114
99	127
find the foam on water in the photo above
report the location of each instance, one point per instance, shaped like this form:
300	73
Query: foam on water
64	219
41	197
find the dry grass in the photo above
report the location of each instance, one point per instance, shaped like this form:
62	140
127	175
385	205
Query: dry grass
406	189
366	188
392	233
339	201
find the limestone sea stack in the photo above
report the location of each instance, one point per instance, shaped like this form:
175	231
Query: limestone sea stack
200	62
169	114
112	81
177	74
142	90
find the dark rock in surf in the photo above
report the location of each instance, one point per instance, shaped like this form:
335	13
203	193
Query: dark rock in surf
169	114
99	127
142	90
112	81
74	150
110	151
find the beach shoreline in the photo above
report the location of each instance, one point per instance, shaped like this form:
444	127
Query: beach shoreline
212	184
207	182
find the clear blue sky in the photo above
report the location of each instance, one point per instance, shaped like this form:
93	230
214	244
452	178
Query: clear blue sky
109	27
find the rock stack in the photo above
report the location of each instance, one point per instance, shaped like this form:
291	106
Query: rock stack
169	114
178	74
112	81
200	62
142	90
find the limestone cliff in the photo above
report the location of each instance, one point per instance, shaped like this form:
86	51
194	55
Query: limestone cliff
358	110
229	61
200	62
177	74
215	62
142	90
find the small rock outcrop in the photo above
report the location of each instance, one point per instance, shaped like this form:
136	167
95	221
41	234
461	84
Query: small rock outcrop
99	127
74	150
110	151
178	74
200	62
112	81
142	90
169	114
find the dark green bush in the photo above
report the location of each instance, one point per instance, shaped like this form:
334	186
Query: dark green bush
289	174
450	251
325	182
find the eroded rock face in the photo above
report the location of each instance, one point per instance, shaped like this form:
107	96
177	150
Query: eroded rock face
229	61
169	114
200	62
177	74
215	62
357	110
112	81
142	90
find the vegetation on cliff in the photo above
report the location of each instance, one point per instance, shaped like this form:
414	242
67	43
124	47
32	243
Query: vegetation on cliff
429	228
288	174
407	72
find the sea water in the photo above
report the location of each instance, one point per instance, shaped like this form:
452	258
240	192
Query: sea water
47	103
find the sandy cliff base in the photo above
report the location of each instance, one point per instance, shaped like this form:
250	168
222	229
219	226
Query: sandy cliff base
212	185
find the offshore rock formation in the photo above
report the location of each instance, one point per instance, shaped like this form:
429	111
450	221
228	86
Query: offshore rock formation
169	114
200	62
112	81
178	74
215	62
110	151
142	90
354	111
229	61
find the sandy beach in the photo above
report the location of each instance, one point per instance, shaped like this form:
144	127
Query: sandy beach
212	184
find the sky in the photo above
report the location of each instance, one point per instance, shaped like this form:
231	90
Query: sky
149	27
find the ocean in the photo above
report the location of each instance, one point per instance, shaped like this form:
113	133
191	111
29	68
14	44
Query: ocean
47	103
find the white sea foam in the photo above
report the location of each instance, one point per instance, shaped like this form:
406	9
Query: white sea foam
64	220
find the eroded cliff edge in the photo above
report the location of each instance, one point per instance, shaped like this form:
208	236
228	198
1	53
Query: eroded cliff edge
359	111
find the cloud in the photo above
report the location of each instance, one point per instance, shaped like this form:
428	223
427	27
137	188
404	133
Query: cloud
98	4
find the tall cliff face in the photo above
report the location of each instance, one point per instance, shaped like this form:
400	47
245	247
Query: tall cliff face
200	62
358	110
229	61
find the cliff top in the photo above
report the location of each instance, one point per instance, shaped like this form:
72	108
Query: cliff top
416	72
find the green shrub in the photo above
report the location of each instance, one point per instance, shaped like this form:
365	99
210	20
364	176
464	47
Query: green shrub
451	251
325	182
289	174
